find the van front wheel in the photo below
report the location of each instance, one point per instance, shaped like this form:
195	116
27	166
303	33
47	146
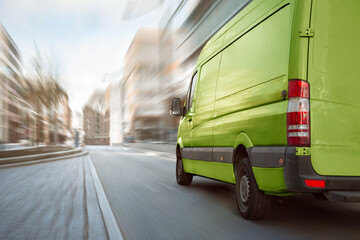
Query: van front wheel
182	177
252	203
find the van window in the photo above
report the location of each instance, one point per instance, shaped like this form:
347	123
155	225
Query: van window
190	95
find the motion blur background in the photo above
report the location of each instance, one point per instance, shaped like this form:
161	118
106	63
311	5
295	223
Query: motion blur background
99	72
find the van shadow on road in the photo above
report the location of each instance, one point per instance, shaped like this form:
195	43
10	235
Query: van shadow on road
300	214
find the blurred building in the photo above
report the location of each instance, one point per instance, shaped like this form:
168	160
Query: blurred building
116	107
33	109
103	114
96	120
158	67
12	127
78	132
107	111
142	88
186	27
64	118
116	116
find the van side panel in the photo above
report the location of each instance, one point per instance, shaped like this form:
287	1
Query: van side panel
334	72
270	180
253	73
203	117
188	165
205	101
243	21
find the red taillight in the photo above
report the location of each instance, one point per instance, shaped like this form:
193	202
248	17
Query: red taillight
298	88
315	183
298	114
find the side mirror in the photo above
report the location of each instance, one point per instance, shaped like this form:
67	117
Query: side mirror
176	107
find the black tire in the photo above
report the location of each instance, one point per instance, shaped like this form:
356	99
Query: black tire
252	203
182	177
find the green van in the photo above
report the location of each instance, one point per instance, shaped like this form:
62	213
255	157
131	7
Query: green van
273	105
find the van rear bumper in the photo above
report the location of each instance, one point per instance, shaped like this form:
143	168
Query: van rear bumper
297	168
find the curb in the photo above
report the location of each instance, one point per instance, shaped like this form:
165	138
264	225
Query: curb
20	149
111	225
25	158
77	153
32	151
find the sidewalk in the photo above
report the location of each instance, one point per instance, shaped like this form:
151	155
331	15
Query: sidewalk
13	146
54	200
20	157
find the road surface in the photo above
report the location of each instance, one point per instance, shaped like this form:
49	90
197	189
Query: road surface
52	200
148	204
60	200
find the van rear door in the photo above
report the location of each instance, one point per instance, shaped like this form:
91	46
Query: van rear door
334	77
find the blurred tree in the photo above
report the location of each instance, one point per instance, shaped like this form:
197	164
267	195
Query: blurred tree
48	95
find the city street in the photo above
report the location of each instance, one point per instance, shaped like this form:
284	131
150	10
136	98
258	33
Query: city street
148	204
95	95
61	200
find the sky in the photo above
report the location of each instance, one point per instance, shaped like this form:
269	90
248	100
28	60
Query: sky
84	38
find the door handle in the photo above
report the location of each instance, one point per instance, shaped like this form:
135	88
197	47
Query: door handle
190	120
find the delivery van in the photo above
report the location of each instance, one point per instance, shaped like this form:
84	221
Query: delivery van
273	105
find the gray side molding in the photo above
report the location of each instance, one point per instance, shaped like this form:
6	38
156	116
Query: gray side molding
267	157
211	154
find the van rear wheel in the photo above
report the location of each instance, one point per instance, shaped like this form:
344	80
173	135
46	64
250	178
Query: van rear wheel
182	177
252	203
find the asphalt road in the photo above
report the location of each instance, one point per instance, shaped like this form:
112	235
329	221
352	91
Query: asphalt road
148	204
52	200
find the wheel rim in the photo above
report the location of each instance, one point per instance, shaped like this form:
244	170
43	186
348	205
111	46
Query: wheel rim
245	189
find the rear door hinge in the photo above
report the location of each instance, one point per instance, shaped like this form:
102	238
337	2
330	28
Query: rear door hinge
306	32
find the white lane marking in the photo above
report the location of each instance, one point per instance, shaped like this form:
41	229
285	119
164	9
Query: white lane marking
109	218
